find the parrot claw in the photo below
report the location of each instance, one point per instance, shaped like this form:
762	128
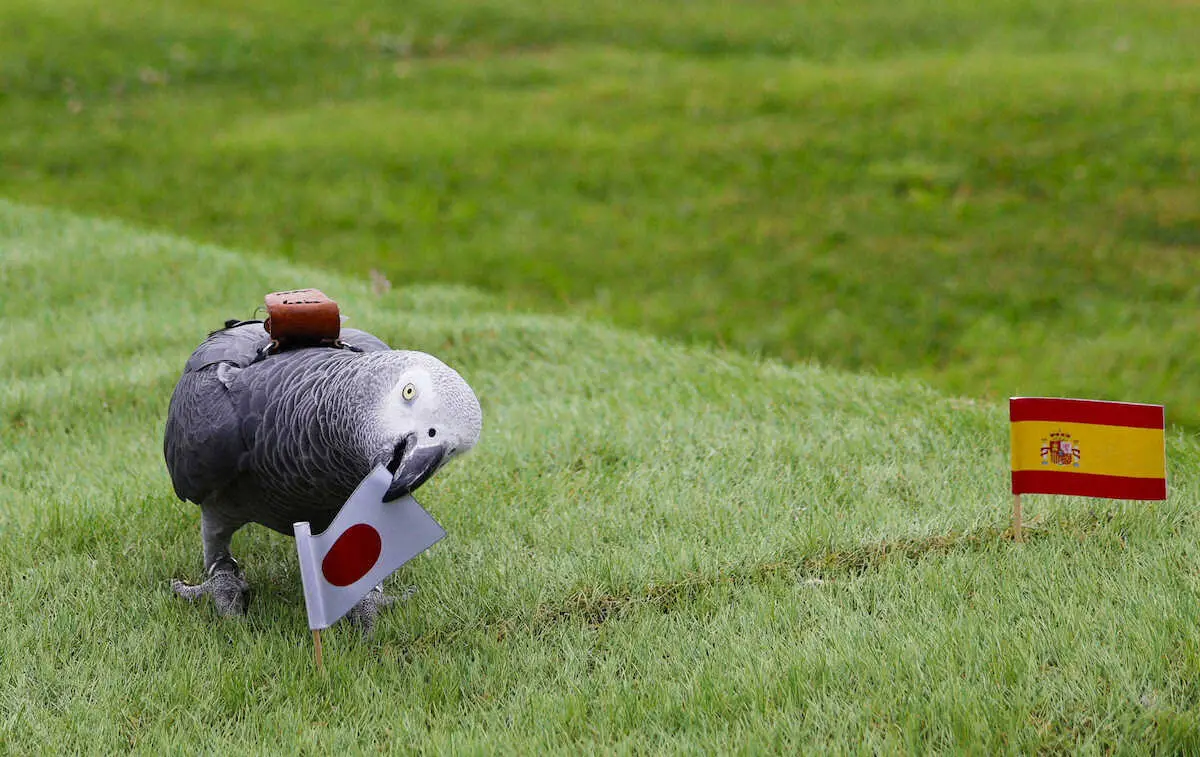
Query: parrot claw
230	592
363	614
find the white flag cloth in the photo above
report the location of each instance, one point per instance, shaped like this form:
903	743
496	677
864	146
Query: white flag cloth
366	542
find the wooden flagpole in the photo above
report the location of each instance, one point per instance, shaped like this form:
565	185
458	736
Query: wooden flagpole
1018	532
317	650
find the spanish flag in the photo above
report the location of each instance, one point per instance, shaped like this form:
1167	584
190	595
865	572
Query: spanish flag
1088	448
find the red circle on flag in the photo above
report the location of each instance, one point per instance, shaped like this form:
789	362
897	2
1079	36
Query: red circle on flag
352	556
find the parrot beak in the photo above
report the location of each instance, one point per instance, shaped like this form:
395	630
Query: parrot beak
411	470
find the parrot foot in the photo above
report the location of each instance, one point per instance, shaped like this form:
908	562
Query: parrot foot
363	614
230	592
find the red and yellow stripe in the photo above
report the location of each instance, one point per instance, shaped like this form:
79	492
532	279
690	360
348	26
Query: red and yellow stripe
1088	448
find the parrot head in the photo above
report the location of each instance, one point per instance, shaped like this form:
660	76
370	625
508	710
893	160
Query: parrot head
431	415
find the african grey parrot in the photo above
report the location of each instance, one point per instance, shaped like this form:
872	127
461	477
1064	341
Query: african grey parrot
275	439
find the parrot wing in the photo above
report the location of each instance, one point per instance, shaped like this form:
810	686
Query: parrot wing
208	423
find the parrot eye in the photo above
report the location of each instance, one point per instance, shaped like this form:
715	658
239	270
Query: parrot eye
408	392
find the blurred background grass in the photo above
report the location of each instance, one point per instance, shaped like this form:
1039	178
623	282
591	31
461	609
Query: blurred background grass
998	197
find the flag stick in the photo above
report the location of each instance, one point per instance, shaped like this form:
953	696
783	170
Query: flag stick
1018	534
317	650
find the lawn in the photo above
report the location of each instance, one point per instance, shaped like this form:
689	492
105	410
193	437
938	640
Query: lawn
740	287
654	548
997	197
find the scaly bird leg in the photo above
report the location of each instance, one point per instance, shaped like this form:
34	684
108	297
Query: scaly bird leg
363	614
229	590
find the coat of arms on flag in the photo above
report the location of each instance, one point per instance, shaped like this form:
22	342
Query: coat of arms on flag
1059	449
366	542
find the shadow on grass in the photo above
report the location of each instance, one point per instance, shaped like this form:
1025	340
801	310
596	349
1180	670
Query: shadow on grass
596	608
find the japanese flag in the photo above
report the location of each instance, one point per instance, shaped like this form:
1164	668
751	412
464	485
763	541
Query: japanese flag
366	542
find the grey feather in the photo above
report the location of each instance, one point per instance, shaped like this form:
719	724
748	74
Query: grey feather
288	437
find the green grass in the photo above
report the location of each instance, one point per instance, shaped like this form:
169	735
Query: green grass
664	543
996	197
654	548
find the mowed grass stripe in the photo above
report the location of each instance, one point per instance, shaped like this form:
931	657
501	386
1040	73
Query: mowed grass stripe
940	653
630	563
984	195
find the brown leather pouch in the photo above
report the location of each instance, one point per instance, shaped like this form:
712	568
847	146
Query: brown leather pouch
302	317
